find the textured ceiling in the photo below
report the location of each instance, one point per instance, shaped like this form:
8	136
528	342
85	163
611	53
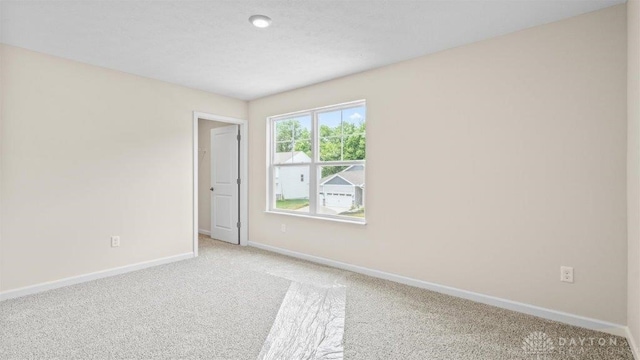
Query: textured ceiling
210	45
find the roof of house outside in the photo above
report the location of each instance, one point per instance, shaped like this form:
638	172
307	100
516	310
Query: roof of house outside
287	157
353	174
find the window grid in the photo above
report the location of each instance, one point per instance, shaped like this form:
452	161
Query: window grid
316	164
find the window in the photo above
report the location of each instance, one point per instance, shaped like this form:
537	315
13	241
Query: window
317	162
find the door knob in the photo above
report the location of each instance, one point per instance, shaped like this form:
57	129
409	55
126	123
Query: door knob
211	189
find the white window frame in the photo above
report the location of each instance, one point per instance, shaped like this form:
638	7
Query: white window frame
313	165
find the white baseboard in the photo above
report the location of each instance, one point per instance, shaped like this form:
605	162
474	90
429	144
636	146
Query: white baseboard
34	289
204	232
632	344
563	317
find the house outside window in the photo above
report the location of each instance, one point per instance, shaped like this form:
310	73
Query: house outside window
317	162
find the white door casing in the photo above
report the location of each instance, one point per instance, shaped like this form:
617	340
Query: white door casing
244	173
224	185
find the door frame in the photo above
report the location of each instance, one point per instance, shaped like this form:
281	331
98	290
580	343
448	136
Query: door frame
244	173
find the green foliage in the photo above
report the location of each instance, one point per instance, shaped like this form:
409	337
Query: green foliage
292	204
346	142
330	170
292	136
354	212
342	142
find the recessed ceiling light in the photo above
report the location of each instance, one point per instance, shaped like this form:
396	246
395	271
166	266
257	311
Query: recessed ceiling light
260	21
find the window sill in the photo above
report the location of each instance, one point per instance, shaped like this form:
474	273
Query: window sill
325	218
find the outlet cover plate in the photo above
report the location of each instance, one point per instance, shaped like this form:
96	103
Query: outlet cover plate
115	241
566	274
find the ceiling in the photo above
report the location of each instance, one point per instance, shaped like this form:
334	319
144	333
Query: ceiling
211	45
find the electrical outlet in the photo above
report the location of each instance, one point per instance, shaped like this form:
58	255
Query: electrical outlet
115	241
283	227
566	274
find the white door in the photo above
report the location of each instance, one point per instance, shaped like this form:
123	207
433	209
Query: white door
224	184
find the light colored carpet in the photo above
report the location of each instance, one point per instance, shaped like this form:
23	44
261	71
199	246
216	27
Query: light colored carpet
222	305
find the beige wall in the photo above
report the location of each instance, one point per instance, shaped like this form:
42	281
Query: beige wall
92	153
511	153
633	166
514	149
204	171
1	141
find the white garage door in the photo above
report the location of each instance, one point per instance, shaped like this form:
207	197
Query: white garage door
339	200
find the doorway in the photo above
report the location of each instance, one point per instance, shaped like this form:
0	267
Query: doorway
219	178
